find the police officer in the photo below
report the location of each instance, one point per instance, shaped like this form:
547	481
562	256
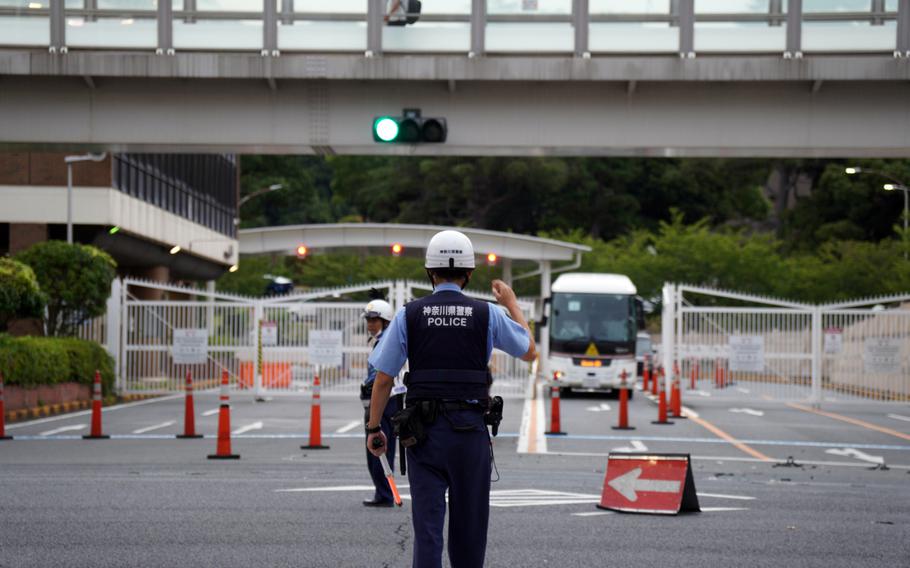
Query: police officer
447	339
378	314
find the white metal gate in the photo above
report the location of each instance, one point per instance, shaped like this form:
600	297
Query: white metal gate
141	338
758	347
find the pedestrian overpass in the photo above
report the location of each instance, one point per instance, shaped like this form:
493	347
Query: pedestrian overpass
539	77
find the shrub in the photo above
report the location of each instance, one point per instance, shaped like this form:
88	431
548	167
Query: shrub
20	295
34	361
76	279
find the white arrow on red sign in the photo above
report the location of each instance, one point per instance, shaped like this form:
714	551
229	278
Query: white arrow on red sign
630	482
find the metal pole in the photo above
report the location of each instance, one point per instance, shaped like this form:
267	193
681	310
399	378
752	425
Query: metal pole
580	19
816	396
794	47
906	191
545	330
478	28
69	203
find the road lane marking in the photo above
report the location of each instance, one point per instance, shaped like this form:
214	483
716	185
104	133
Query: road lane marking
636	446
722	509
721	434
531	439
602	408
155	427
847	419
724	496
64	429
700	393
742	390
593	514
847	452
333	488
747	411
899	417
211	412
348	427
87	412
247	428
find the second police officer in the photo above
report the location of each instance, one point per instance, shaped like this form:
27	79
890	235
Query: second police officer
378	314
447	339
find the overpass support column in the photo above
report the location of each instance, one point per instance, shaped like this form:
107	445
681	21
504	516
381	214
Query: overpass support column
269	28
686	13
165	28
375	12
903	29
478	27
581	16
507	271
58	26
545	330
287	12
794	30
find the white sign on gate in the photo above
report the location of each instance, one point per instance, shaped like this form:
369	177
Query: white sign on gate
190	346
269	333
882	355
747	353
325	347
834	340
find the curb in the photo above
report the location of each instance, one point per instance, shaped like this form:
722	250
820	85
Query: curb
65	407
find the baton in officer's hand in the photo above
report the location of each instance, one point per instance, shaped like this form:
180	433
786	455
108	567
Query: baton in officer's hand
389	475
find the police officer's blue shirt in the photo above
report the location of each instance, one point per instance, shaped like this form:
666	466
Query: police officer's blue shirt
504	334
371	370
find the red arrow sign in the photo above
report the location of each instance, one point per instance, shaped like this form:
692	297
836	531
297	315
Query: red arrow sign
649	483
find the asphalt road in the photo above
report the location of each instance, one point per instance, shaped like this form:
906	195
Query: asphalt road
144	498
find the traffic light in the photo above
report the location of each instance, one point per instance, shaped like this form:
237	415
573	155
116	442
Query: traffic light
302	251
410	128
397	249
492	259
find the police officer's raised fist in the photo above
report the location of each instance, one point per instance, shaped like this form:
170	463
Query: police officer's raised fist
503	293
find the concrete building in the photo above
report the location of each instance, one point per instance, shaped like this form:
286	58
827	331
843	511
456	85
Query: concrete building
162	217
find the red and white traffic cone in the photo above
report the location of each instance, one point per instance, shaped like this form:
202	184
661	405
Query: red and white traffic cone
655	374
676	398
623	405
223	450
189	414
96	410
717	373
315	420
555	426
662	403
693	373
3	435
645	373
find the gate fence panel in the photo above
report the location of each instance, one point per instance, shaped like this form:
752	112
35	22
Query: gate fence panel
788	351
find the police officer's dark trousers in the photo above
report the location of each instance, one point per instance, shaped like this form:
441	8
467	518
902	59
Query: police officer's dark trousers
460	462
383	493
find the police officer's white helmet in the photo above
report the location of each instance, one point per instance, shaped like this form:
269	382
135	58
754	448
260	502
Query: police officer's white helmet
450	249
378	309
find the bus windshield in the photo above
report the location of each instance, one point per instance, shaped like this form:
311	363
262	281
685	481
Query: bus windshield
607	320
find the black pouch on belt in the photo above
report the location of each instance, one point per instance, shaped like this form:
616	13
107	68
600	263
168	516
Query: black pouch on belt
409	426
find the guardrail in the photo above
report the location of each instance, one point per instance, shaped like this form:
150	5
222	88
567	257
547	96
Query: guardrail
474	27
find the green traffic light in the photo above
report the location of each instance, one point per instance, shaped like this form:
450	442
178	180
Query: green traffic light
386	129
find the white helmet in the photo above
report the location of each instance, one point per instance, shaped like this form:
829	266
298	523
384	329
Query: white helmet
379	309
450	249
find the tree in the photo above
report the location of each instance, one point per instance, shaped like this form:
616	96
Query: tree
20	295
76	278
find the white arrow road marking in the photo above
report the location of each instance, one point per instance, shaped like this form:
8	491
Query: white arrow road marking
63	429
899	417
748	411
210	412
635	446
247	428
628	483
602	408
348	427
847	452
155	427
700	393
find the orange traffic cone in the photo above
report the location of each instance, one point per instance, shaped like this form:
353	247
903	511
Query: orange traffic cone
655	374
315	420
645	373
693	373
189	414
676	398
96	411
662	405
223	451
555	426
623	406
3	435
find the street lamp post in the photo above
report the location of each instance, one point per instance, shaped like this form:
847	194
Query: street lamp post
70	160
273	187
895	185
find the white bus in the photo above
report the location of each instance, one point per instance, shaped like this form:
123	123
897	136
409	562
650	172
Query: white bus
593	321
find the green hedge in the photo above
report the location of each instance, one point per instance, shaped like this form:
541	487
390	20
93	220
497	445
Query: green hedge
34	361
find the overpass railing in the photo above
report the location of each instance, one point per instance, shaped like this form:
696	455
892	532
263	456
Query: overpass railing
471	27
